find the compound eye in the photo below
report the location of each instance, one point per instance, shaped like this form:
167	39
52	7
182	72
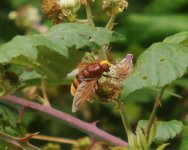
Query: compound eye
106	67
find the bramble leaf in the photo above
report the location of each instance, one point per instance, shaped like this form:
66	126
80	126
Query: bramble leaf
159	65
9	122
165	130
56	52
184	142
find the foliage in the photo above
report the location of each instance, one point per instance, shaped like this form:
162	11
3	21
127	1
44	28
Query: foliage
151	67
9	122
43	52
184	144
43	60
165	130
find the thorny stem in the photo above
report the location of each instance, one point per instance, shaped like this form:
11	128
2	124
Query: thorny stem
87	128
124	118
110	23
54	139
17	143
154	111
89	15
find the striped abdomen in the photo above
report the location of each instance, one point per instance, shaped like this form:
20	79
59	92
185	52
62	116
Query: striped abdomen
90	72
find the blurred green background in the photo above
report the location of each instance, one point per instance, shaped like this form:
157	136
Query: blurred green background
145	22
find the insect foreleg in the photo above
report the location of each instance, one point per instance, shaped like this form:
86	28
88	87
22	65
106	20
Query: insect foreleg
105	75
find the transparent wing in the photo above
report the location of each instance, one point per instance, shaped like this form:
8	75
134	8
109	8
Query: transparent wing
73	73
79	68
83	93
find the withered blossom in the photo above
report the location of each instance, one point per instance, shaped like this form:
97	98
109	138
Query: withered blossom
110	87
114	7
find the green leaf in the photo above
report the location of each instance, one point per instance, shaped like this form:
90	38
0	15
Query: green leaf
152	133
158	66
141	138
184	142
161	147
8	116
179	38
9	122
165	130
55	53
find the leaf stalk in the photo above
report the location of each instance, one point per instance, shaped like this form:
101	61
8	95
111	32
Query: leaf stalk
124	118
110	23
154	111
89	16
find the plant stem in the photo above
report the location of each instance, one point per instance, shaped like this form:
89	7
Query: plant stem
103	53
83	21
17	143
154	111
54	139
89	15
87	128
110	23
109	27
45	96
124	118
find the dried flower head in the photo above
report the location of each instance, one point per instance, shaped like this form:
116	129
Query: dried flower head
110	87
114	7
58	10
121	70
86	2
52	9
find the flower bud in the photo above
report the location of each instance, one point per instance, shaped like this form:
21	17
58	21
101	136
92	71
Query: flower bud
70	4
58	10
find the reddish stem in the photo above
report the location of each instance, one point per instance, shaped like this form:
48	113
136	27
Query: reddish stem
87	128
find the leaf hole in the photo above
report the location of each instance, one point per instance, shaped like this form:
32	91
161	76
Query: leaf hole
140	63
162	59
144	77
90	39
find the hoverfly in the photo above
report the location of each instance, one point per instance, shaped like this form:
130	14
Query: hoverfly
85	82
